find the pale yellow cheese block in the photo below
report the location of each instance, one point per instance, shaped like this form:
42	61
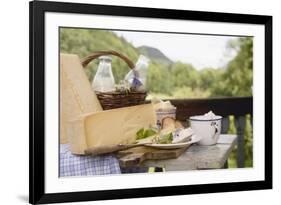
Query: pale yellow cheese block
110	127
76	93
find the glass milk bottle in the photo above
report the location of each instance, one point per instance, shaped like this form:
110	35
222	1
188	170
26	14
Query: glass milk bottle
138	73
104	80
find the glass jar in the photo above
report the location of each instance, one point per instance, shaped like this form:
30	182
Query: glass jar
104	80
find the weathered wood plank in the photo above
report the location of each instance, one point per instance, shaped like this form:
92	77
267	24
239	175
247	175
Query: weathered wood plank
199	157
135	156
221	106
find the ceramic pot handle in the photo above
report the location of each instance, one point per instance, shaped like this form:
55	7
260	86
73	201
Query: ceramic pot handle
215	126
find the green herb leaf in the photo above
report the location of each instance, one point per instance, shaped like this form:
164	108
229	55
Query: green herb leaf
140	134
166	139
149	132
145	133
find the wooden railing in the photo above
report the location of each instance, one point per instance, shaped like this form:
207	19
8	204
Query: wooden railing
239	107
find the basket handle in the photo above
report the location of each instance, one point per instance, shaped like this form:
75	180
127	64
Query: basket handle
97	54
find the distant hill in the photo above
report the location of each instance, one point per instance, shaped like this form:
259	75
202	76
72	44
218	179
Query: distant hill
86	41
155	55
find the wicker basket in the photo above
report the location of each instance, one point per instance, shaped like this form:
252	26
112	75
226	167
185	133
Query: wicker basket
111	100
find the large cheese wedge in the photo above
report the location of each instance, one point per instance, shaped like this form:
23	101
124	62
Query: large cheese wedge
76	94
110	127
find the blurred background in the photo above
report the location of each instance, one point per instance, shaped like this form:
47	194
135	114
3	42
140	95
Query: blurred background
181	65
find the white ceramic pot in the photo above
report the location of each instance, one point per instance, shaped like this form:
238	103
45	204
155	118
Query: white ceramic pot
207	129
161	114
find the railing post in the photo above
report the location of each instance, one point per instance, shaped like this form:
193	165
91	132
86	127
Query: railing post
225	125
240	124
224	130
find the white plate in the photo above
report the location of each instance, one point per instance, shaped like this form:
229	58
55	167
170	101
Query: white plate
194	139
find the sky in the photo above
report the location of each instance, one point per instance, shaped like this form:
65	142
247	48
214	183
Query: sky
200	50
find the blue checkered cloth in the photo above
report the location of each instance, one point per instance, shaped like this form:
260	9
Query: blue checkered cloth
76	165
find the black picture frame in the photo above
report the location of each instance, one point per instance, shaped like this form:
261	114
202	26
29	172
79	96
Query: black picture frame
37	11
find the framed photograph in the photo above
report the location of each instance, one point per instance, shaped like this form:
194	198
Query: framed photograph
130	102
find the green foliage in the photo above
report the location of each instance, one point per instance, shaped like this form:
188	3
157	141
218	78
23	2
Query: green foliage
188	92
86	41
237	78
159	79
175	80
145	133
166	139
248	143
209	77
184	75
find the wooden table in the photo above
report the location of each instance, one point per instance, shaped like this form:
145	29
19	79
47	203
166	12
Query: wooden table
199	157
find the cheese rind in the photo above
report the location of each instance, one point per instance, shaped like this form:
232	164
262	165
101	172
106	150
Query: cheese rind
76	93
76	136
110	127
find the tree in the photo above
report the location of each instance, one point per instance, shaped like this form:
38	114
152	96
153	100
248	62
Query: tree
86	41
159	79
237	78
184	75
208	77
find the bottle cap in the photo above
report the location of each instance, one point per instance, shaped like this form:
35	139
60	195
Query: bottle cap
105	58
